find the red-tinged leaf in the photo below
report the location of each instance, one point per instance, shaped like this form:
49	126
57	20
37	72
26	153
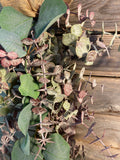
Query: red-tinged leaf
67	23
79	11
91	16
2	53
82	94
27	41
5	63
37	62
58	69
16	62
12	55
44	80
87	14
34	102
42	49
67	89
39	110
5	86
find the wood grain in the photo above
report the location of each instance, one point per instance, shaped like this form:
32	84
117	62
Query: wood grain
107	102
103	65
106	108
105	10
104	123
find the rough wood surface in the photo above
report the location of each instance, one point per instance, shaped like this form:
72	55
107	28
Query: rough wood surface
107	102
106	108
108	124
103	65
105	10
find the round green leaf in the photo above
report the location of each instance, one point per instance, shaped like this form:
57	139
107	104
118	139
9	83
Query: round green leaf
28	86
66	105
18	154
59	150
24	119
76	30
82	46
68	39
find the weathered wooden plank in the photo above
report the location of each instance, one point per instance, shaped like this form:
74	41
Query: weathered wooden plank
103	65
105	10
106	108
107	102
104	123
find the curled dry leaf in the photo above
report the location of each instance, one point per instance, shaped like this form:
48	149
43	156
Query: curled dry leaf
2	53
5	63
91	16
44	80
91	57
27	41
68	89
58	69
81	95
67	75
39	110
37	62
12	55
34	102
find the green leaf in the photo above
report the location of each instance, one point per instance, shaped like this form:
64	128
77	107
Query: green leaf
50	11
18	154
28	86
82	47
59	98
4	111
59	150
25	144
76	30
14	21
68	39
66	105
11	42
24	119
